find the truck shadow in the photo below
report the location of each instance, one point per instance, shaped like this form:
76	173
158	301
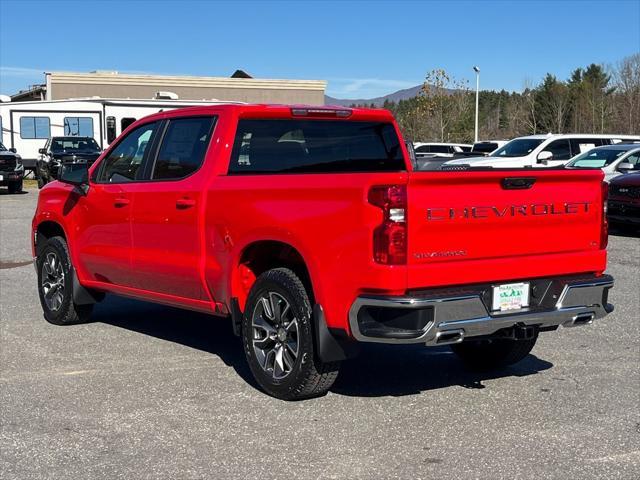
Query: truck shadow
379	370
191	329
389	370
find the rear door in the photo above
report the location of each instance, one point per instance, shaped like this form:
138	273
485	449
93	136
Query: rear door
166	236
475	226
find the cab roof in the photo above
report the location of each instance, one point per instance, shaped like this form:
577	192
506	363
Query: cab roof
284	111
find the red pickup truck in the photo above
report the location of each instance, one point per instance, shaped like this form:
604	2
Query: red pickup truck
310	230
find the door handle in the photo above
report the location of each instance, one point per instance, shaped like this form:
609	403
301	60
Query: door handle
517	183
183	203
120	202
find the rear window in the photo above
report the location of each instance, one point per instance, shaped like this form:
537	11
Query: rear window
315	146
484	147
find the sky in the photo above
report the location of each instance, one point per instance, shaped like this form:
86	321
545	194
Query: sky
363	49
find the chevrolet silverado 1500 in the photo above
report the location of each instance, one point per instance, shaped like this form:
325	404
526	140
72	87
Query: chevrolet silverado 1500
310	230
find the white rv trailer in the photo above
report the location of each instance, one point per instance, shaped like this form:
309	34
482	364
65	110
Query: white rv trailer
26	126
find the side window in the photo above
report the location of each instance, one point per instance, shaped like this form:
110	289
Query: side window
124	161
125	122
581	145
440	149
183	147
111	129
78	127
560	149
35	127
423	149
633	159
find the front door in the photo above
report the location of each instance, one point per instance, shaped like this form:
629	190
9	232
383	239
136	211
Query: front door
104	216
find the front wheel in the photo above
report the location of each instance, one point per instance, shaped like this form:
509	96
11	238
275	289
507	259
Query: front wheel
41	180
278	340
493	353
55	285
15	187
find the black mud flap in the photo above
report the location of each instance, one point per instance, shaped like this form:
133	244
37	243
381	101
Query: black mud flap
331	345
236	317
81	295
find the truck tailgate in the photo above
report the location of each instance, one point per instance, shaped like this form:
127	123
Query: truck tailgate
491	225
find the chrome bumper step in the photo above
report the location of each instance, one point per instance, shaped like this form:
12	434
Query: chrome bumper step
452	319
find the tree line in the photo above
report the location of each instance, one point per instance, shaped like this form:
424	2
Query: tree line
594	99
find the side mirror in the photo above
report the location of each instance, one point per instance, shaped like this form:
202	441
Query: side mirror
625	167
42	151
13	150
545	156
75	174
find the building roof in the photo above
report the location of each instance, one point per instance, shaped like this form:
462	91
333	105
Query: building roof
115	78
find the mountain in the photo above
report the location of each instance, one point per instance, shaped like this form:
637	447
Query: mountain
403	94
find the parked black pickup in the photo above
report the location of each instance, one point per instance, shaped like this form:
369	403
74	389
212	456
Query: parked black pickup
11	169
59	150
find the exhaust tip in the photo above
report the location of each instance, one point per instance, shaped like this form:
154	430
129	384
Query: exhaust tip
449	336
581	319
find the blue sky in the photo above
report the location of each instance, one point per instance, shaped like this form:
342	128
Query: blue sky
363	49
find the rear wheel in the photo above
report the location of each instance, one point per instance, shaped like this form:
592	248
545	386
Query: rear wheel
277	338
55	286
493	353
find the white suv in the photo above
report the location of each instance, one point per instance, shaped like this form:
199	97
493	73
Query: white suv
440	150
541	150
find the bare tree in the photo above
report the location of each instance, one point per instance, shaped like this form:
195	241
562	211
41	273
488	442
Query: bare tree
626	77
445	100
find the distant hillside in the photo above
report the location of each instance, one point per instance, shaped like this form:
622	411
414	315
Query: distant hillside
404	94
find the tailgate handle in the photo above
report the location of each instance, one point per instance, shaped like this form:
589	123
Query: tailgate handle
518	183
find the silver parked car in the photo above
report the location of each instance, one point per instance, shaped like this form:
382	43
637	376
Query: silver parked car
614	159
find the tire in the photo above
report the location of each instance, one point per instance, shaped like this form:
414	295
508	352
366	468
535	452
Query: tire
278	340
493	354
41	180
55	275
15	187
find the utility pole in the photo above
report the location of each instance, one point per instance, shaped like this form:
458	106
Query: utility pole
477	70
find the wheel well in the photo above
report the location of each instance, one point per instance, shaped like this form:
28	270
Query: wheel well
47	230
261	256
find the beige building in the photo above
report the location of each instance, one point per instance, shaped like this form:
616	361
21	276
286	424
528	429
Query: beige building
240	87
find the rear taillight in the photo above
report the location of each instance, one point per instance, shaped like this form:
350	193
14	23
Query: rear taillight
604	229
390	237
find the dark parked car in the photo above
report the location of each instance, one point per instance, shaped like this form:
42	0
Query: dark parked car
624	200
11	169
59	150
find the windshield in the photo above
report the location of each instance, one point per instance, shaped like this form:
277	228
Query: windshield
596	158
2	148
74	144
519	147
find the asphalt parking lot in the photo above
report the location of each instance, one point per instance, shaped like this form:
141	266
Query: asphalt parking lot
154	392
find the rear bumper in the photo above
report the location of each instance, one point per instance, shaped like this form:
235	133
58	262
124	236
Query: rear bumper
624	212
452	315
